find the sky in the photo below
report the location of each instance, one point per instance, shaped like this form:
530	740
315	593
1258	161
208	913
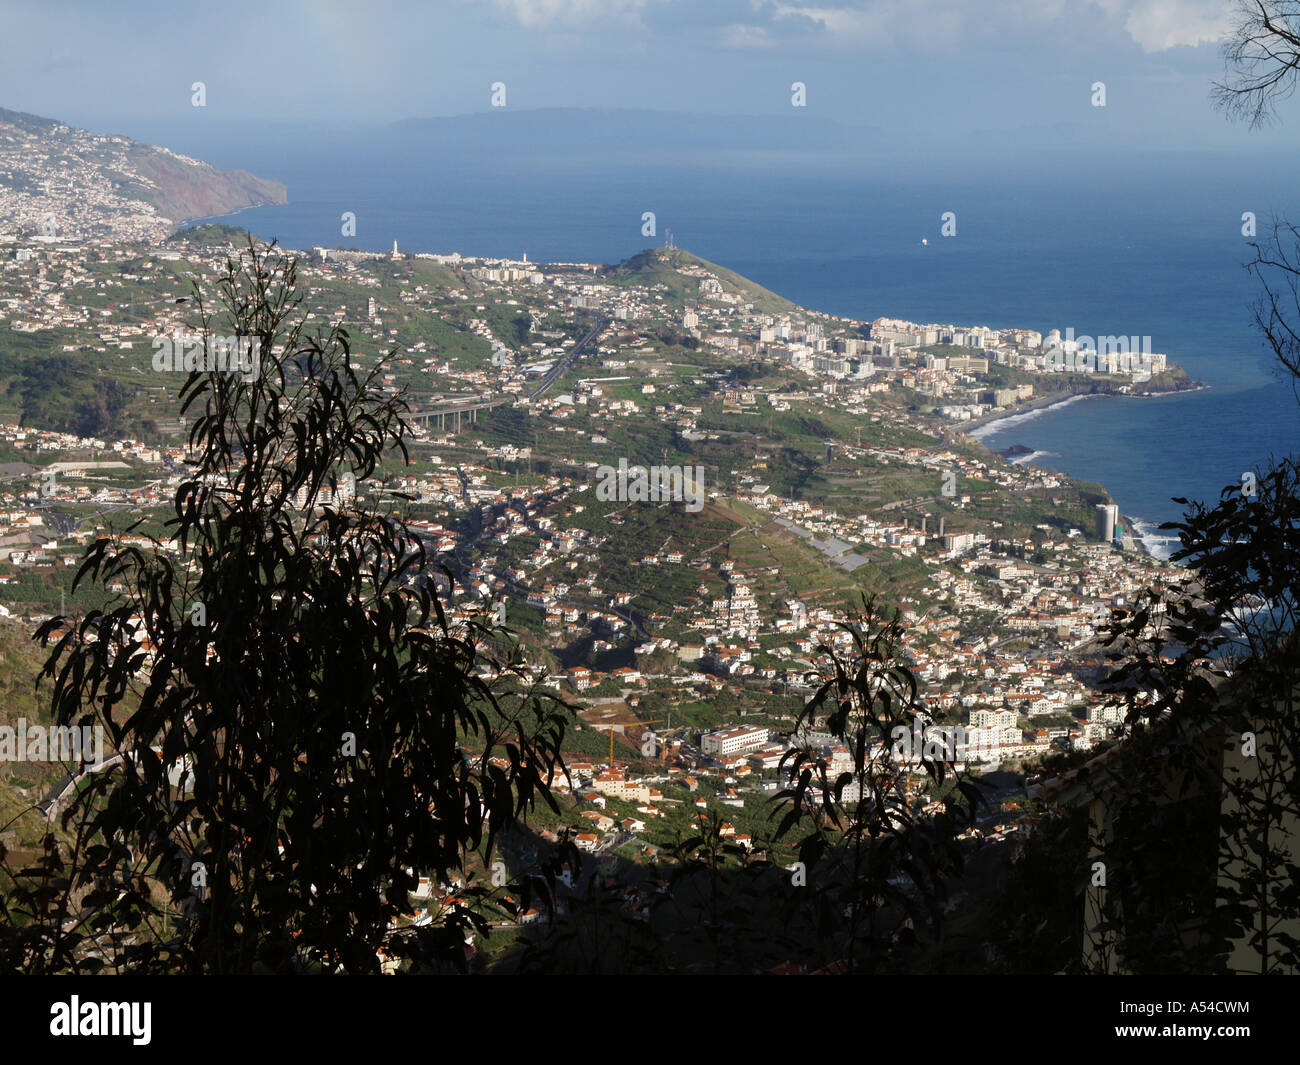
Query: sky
937	75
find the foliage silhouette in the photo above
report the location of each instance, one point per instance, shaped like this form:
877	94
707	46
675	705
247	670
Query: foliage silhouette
305	730
875	873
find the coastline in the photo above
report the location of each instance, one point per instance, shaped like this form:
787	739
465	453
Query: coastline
212	219
1132	535
976	429
1135	539
985	423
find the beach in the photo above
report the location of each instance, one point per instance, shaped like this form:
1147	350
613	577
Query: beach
988	424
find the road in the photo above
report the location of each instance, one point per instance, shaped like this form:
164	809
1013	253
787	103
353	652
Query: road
613	843
561	367
471	404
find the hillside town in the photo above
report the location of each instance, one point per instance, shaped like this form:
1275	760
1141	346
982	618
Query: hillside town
1002	615
548	488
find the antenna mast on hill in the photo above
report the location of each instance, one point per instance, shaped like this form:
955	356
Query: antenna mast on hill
668	239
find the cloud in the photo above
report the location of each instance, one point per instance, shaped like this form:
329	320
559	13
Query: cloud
1158	25
1155	25
748	37
921	25
888	24
542	14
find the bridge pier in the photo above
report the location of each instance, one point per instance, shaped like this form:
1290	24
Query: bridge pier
439	417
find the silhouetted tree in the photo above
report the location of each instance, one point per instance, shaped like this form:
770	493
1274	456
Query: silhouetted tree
1261	55
850	876
304	729
1205	781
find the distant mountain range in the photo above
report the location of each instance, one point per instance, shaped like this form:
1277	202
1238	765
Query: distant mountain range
58	180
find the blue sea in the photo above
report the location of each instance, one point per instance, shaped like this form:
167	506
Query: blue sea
1145	246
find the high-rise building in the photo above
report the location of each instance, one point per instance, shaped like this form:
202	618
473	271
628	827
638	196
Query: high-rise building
1107	516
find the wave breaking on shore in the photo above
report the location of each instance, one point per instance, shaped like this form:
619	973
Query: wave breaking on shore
1157	543
986	430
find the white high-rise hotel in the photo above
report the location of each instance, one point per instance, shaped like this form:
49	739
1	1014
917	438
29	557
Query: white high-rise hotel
1107	517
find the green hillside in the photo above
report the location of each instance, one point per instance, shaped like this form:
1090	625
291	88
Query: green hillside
22	784
663	266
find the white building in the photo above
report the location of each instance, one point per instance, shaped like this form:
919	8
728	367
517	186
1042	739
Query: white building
734	740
